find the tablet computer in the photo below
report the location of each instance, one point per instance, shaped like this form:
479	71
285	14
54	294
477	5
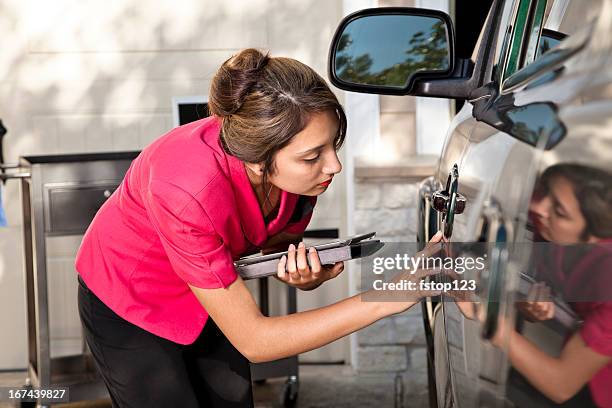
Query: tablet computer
358	246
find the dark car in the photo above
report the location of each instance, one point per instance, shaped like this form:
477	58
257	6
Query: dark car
536	124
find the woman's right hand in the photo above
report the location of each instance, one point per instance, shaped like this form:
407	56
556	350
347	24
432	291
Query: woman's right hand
397	301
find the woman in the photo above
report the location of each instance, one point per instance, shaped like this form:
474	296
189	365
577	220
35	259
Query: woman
572	210
167	319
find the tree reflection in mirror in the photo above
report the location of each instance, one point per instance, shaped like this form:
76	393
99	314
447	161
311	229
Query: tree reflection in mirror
387	50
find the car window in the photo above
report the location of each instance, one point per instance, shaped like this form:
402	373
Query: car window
545	65
532	33
515	40
503	39
564	18
550	52
522	41
523	21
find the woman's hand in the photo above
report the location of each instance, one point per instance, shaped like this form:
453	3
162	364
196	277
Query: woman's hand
503	332
397	301
535	308
294	270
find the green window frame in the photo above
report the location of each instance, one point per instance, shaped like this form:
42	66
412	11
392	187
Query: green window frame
521	43
534	33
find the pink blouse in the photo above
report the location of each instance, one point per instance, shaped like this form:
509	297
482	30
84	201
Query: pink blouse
183	213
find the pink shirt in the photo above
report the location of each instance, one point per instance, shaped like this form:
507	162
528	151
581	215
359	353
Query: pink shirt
183	213
583	274
590	279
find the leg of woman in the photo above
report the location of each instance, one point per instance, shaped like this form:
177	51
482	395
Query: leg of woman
220	375
139	368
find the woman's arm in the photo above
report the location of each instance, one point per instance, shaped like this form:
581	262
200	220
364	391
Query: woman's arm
558	378
260	338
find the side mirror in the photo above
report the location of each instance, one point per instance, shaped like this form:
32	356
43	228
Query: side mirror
384	50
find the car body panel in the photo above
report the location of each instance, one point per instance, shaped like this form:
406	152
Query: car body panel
525	111
495	166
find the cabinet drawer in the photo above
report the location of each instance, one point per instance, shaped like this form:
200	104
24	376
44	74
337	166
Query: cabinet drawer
69	208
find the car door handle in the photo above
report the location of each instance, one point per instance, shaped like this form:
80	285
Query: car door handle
441	202
449	202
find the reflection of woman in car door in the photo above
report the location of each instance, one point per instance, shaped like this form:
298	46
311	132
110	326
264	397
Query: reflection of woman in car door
572	205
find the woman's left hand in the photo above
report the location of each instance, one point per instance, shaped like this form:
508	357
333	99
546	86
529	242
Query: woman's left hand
538	306
294	270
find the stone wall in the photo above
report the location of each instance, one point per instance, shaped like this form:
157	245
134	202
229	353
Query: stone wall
394	346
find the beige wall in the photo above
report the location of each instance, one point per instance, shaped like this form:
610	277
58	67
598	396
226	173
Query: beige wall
100	75
397	125
397	114
397	139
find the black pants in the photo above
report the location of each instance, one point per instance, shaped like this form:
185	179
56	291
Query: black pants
141	369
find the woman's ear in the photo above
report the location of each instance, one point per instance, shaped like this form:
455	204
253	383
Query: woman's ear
256	168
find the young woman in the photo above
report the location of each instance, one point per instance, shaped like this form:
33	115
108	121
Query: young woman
167	319
572	209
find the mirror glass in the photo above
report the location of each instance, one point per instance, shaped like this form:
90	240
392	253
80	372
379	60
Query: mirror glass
387	50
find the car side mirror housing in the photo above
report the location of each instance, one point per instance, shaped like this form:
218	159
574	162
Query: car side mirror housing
386	50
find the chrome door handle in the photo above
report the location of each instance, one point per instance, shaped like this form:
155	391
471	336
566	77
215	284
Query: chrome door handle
441	202
449	202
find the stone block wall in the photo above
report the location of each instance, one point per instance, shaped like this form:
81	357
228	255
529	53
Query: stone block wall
394	346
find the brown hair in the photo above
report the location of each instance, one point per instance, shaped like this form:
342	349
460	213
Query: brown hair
593	190
264	101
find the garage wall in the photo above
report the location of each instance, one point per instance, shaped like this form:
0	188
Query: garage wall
100	76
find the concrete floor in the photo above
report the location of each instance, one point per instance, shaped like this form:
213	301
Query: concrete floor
320	386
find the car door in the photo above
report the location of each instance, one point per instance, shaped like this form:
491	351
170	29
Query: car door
443	325
481	153
531	96
481	190
568	90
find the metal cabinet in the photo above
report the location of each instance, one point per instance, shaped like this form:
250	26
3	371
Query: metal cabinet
60	196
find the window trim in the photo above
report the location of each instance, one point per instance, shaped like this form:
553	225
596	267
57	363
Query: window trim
536	25
516	40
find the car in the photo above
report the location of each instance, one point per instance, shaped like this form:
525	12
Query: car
538	103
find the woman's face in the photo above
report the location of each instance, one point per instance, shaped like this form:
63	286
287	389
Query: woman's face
557	215
307	164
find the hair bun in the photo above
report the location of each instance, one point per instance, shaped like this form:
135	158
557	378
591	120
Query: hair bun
234	79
